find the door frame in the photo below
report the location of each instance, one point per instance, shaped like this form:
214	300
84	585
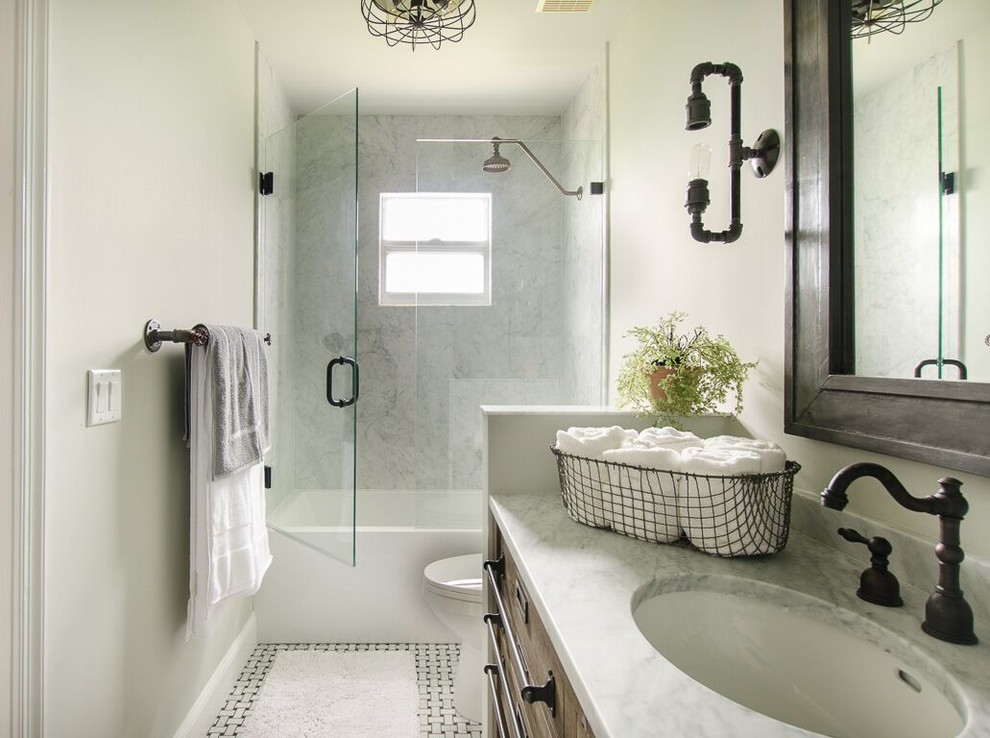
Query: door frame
28	346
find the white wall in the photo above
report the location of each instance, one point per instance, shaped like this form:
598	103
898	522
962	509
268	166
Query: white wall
735	289
7	328
151	163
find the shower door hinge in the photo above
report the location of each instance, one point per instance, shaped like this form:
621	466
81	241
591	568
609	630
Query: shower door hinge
268	477
266	182
948	183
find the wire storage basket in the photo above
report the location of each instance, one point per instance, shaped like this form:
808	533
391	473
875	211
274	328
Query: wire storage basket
743	515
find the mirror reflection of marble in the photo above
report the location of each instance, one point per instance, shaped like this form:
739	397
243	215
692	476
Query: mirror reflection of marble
920	104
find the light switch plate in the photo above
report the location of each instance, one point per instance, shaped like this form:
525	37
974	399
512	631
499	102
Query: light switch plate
105	399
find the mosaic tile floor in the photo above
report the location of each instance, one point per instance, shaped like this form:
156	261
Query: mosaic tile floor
434	661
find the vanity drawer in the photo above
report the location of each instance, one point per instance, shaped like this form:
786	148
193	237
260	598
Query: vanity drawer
538	653
527	692
536	718
575	721
563	718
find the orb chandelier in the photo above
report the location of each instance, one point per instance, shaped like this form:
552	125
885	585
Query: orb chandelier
418	21
870	17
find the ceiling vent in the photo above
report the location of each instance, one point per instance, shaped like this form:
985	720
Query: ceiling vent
564	6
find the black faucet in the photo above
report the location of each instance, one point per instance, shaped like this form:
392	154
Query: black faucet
948	616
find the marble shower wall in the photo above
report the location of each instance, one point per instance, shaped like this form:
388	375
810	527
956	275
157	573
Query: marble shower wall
895	134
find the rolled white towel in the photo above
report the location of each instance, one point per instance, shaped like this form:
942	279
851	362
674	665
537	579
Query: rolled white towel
644	500
720	461
772	457
713	512
594	485
650	457
592	442
668	437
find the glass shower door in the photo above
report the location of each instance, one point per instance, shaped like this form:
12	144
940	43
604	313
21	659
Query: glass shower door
308	302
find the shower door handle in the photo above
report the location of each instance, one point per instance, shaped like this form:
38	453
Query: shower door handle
355	375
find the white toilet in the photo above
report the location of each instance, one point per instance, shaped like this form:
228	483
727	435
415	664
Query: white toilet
452	587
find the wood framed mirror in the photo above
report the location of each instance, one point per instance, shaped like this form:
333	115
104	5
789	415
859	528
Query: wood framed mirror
944	423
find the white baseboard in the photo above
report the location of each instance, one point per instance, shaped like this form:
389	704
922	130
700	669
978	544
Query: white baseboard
204	711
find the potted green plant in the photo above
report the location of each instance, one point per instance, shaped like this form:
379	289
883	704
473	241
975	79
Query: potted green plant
673	374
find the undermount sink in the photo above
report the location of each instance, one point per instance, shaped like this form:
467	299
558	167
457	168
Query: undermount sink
797	659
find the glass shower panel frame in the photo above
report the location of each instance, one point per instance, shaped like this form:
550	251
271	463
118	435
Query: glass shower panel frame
950	354
309	230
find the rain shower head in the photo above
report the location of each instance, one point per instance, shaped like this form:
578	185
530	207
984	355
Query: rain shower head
497	163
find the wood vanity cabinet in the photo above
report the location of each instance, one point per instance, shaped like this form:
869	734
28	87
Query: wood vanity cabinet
534	719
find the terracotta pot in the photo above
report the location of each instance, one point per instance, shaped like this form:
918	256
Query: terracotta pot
657	395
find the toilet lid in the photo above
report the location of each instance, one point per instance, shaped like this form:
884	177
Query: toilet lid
458	577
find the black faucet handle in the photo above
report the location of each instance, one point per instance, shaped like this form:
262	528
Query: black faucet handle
853	535
876	584
879	546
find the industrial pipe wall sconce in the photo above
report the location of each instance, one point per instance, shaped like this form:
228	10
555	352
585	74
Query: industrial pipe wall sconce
762	156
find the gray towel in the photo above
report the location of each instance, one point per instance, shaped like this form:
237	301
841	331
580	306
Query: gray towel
238	367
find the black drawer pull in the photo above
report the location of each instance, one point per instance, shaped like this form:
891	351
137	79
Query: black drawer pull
546	693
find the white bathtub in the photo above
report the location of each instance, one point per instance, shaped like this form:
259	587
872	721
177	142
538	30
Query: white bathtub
310	596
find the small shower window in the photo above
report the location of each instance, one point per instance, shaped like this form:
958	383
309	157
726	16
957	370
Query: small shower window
435	248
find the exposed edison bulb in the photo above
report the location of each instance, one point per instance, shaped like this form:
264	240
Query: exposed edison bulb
701	161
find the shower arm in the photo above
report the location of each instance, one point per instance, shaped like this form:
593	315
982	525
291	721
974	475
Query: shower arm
578	193
532	157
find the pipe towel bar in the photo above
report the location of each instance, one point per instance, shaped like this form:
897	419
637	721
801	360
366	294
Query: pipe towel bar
154	336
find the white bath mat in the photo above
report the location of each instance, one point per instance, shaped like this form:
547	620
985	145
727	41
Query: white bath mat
337	694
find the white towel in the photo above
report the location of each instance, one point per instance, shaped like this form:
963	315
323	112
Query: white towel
239	553
592	442
669	437
713	511
644	503
598	485
229	551
650	457
772	457
725	461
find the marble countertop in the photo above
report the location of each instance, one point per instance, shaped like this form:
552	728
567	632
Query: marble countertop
584	582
